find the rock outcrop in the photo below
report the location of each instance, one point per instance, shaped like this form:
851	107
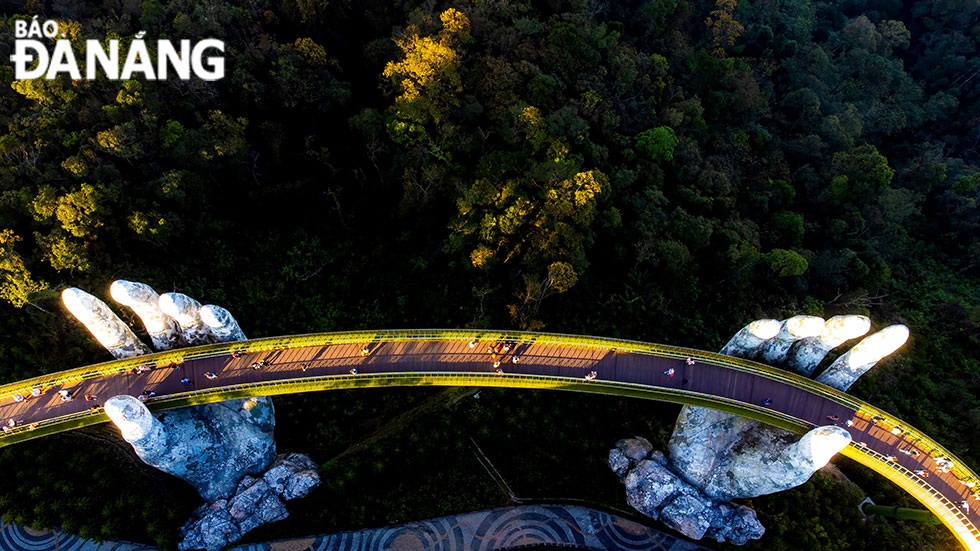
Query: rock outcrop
256	501
292	476
653	489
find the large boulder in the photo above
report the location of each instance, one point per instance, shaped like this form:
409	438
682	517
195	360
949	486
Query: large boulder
655	490
735	523
256	501
210	527
292	476
689	514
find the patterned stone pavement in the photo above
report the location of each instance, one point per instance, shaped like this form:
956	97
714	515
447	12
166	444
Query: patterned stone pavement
509	528
565	526
21	538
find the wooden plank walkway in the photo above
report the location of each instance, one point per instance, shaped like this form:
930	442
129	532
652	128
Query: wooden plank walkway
534	359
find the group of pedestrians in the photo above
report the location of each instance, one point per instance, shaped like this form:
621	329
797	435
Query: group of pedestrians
33	393
670	371
13	423
143	368
498	353
944	464
66	395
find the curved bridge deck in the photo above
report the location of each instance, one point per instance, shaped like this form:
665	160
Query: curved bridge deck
445	358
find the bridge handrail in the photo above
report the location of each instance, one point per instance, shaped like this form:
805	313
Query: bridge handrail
524	337
883	418
948	512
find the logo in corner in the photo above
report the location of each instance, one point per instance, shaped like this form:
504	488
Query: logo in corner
33	59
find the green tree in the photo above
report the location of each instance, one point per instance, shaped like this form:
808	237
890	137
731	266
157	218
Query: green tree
16	286
725	30
657	143
786	263
859	175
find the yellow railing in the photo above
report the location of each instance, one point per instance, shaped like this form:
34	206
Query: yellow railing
961	527
373	380
325	339
945	510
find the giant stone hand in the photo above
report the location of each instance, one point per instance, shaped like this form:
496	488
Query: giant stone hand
720	456
214	447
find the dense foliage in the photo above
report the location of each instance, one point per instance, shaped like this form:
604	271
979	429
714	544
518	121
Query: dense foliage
660	170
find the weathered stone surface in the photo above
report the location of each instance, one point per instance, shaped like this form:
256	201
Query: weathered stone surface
145	302
701	438
292	476
729	456
255	504
256	501
718	456
103	323
223	325
795	328
619	463
210	527
654	490
627	453
688	515
750	338
769	460
187	312
735	523
637	449
258	411
209	446
649	486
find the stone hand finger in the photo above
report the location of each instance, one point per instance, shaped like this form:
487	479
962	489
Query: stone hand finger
221	323
187	312
808	352
747	342
774	350
849	367
164	332
795	464
103	324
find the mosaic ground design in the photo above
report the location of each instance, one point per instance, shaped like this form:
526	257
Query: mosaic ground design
21	538
523	527
511	528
